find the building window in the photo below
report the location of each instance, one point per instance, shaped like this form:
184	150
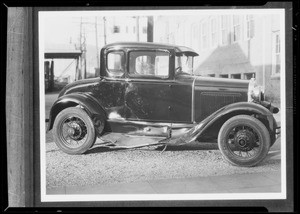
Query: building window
224	75
213	32
211	75
144	30
236	28
126	29
172	38
194	32
248	76
276	54
133	29
195	36
204	35
249	26
116	29
224	29
235	76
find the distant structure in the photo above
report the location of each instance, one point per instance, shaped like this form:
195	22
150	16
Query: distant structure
126	29
119	28
229	46
50	56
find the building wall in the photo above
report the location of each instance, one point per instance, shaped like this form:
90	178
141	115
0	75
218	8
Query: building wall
125	29
221	54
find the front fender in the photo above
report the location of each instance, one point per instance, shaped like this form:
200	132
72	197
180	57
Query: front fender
84	100
225	113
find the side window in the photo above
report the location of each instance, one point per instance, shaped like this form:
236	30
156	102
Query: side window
116	63
144	66
162	65
276	56
149	63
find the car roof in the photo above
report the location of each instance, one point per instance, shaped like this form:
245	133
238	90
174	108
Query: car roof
178	49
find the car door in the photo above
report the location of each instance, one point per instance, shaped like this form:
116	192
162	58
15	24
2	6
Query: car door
110	91
148	89
181	95
182	90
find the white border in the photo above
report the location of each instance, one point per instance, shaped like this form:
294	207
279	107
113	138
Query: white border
146	197
283	104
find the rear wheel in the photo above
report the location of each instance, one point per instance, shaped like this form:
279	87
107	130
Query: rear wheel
244	140
73	131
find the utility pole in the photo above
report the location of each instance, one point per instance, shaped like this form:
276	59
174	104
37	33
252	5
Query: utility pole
150	29
84	55
78	71
82	38
96	30
137	28
51	82
104	30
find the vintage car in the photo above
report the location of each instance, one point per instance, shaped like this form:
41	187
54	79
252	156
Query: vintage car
149	90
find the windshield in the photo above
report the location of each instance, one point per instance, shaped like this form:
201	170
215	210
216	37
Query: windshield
184	65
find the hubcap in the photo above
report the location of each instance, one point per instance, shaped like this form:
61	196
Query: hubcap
71	131
243	142
74	131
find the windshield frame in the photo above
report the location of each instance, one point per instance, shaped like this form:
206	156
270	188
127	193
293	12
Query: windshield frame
184	61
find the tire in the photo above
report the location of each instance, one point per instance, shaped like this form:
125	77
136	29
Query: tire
244	141
74	131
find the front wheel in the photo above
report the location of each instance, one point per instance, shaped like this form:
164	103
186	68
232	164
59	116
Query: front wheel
73	131
244	140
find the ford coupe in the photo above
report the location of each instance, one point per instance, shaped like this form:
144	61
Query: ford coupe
150	90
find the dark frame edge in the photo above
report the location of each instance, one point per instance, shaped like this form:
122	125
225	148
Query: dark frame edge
28	116
36	102
34	197
19	108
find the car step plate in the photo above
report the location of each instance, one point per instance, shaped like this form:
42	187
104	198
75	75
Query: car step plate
117	140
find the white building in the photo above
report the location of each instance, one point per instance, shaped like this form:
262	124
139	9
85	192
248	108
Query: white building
126	29
229	46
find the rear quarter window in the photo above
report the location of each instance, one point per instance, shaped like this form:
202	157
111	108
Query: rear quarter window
115	62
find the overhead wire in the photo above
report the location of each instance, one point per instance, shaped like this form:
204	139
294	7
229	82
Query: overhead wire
65	70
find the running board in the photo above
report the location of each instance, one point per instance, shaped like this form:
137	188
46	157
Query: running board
150	129
125	141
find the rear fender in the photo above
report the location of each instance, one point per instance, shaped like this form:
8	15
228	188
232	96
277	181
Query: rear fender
219	117
85	101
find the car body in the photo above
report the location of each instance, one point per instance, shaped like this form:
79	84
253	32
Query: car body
149	89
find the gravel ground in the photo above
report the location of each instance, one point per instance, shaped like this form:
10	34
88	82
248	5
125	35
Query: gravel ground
103	166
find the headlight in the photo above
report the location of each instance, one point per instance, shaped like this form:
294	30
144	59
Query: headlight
255	92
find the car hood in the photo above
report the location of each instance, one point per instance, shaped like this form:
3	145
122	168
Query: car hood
220	82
